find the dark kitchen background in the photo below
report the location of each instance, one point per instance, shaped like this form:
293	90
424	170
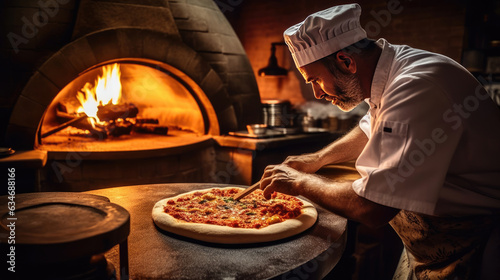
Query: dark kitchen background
462	30
191	71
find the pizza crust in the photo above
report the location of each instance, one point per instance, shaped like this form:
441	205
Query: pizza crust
231	235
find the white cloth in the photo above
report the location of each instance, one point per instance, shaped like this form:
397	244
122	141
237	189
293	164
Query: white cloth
364	123
324	33
434	141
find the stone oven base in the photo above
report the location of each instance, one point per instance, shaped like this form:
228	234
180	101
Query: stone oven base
136	144
193	160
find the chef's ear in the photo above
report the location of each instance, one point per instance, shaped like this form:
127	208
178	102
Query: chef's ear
346	62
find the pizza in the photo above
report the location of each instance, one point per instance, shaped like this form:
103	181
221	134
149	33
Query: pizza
212	215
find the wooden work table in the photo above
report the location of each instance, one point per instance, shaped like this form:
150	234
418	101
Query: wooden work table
151	253
155	254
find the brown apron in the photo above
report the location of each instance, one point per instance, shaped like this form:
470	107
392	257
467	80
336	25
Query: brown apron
441	247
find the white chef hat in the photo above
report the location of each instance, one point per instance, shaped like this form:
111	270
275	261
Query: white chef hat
324	33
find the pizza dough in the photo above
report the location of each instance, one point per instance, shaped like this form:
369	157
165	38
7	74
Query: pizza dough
231	235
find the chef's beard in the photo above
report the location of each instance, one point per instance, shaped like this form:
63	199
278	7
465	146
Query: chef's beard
348	90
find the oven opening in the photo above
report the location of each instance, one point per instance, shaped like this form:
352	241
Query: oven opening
126	104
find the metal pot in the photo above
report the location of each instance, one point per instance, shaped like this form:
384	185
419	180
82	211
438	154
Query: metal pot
277	113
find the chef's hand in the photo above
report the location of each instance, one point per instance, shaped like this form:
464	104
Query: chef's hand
307	163
280	178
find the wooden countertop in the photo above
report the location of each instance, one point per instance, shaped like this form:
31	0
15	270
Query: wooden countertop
272	142
25	159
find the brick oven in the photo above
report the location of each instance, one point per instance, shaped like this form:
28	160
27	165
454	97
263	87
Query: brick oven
182	69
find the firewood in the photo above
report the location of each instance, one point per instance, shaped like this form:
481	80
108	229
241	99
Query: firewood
98	134
111	112
85	125
65	116
151	129
96	131
146	120
119	128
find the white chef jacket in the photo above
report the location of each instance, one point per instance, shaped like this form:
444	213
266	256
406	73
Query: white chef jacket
434	137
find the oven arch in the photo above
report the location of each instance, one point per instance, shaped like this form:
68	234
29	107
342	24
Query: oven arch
107	45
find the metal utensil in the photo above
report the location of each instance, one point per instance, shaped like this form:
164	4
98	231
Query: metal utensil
257	129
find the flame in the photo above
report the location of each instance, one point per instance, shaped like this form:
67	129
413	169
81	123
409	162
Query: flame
107	89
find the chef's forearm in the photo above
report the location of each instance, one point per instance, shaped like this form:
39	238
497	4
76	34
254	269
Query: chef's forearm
344	149
338	197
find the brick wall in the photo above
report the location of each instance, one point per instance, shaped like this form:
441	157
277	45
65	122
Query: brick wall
432	25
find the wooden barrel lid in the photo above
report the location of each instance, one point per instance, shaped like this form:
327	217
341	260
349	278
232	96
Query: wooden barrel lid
59	226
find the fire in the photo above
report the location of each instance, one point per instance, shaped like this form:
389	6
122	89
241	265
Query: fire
107	90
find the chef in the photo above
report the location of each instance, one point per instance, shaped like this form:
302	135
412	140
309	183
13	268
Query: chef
427	150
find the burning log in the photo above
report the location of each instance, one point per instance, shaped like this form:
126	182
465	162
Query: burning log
111	112
151	129
95	131
98	133
119	128
146	120
104	117
116	120
80	122
64	116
